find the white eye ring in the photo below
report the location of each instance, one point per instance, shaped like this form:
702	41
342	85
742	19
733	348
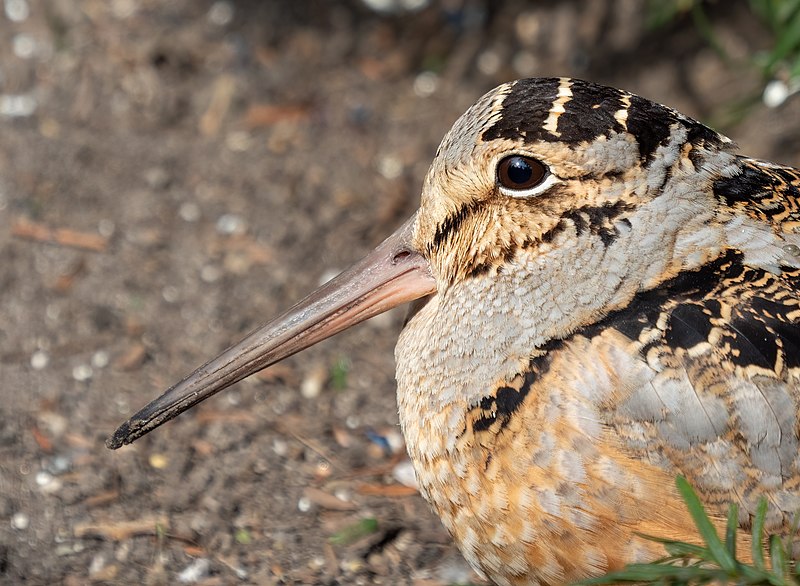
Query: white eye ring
536	190
521	175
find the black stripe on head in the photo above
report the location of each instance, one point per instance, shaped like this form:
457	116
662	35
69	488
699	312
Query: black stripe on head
590	113
650	124
525	109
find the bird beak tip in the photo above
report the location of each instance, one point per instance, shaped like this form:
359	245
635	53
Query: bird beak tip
392	274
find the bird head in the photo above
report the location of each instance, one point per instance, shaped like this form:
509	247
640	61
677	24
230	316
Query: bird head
541	180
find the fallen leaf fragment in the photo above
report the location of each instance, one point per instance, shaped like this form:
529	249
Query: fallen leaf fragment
121	530
29	230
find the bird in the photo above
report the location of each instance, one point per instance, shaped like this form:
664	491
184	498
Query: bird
604	294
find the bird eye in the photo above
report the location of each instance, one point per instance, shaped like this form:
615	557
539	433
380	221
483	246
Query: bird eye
518	172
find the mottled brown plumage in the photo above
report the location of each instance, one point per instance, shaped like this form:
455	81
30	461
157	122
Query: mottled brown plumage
610	297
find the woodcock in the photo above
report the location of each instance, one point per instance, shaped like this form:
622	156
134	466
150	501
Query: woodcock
607	295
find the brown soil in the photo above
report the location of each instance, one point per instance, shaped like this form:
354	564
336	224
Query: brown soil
201	165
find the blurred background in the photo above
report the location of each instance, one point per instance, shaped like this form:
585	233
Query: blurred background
175	172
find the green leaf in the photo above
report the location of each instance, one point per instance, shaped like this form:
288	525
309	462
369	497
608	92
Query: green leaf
354	532
243	536
704	526
339	373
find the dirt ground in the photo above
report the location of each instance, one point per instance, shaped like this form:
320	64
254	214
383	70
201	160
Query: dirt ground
173	173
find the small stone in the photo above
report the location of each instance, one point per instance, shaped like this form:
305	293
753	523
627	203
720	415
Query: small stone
100	359
17	105
23	46
311	387
426	84
776	92
17	10
239	141
158	461
210	274
280	447
106	228
20	521
189	211
170	294
82	372
390	167
220	13
39	360
157	178
304	504
48	483
195	571
229	224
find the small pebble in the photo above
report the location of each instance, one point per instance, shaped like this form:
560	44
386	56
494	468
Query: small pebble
304	504
23	46
220	13
230	224
311	387
210	274
82	372
343	494
17	10
239	141
48	483
189	211
352	422
20	521
157	177
426	84
195	571
123	9
390	167
170	294
100	359
158	461
775	93
17	105
39	360
97	564
60	464
280	447
106	227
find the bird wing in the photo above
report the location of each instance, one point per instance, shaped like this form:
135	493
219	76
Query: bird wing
720	403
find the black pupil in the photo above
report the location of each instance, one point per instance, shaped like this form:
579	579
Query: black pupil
519	171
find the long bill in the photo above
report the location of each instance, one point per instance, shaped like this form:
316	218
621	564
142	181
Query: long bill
392	274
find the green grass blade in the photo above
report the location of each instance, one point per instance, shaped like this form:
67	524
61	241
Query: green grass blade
731	528
705	527
778	556
758	534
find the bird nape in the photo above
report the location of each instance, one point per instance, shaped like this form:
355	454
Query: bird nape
609	296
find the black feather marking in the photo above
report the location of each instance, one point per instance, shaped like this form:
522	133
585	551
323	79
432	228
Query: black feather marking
650	124
525	109
689	325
